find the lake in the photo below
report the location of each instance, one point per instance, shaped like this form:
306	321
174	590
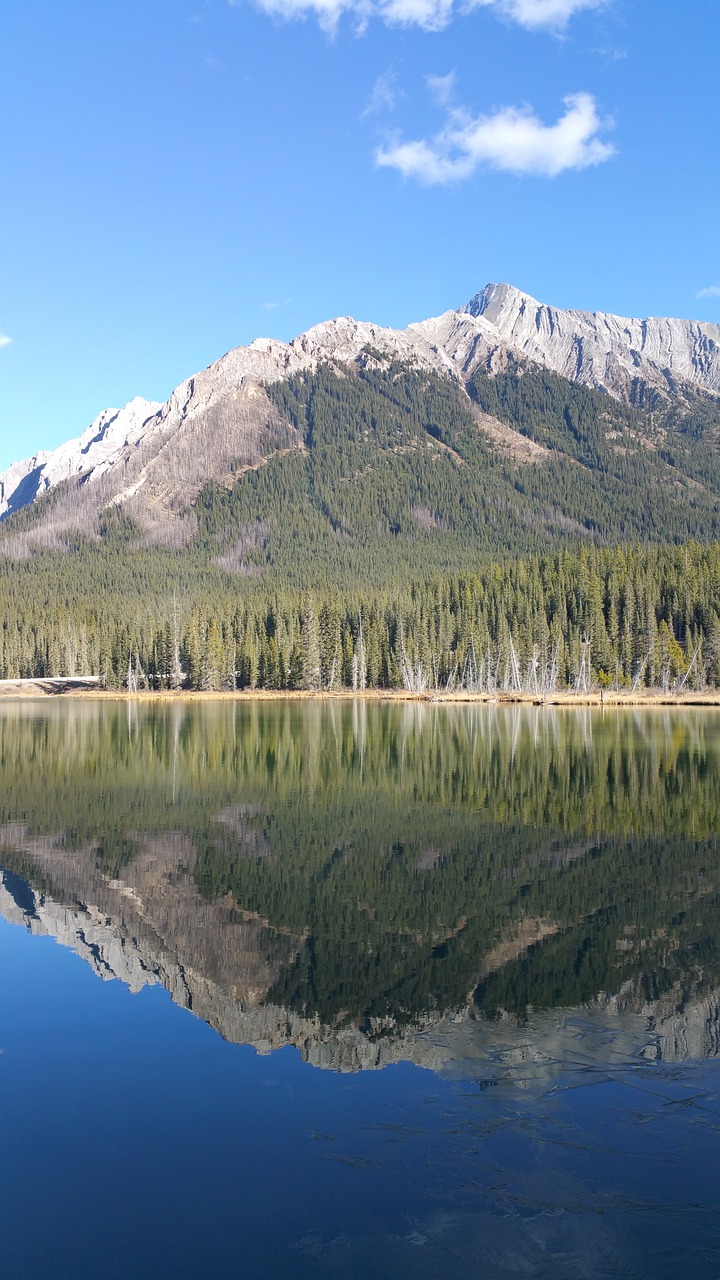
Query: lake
358	989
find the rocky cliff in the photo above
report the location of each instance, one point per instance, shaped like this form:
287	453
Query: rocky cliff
621	356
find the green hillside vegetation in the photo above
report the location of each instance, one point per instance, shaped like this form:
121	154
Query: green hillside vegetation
402	544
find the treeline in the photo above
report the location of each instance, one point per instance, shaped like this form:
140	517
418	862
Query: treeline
615	616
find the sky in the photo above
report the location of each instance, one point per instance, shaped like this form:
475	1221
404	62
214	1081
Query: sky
181	176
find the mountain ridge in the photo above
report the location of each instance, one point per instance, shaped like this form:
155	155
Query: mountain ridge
593	347
640	362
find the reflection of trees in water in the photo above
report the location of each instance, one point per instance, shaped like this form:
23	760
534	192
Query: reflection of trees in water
581	771
533	856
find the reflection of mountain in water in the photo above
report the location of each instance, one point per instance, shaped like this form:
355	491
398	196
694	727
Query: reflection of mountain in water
155	928
381	883
220	965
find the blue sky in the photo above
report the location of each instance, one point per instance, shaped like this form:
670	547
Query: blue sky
180	176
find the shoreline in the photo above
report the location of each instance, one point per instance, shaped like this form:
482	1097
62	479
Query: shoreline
24	689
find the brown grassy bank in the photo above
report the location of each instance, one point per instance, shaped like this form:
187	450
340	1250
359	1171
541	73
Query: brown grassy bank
568	698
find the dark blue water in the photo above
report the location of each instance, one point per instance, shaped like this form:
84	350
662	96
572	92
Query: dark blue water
565	1140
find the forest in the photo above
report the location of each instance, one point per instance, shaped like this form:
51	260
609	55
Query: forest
620	617
402	546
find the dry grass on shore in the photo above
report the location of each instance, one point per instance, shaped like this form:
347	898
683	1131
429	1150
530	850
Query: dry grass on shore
567	698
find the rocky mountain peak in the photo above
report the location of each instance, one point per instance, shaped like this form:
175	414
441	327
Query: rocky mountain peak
634	360
100	445
495	301
621	355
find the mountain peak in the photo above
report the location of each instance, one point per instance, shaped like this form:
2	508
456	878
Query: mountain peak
495	299
629	359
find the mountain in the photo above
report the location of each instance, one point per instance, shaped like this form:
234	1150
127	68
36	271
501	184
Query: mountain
627	358
99	446
225	402
241	533
152	460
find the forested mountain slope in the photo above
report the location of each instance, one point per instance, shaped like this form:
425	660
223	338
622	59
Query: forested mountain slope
378	464
152	458
361	473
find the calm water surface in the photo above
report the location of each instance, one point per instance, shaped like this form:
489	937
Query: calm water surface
358	990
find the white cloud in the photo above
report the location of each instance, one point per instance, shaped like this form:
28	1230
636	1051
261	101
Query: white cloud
612	54
4	340
429	15
327	12
384	94
712	291
273	306
513	139
534	14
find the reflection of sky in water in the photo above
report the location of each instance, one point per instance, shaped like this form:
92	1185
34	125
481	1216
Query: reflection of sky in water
555	1141
137	1142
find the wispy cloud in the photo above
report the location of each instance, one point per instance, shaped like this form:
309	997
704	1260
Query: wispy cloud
536	14
512	139
442	88
4	340
429	15
611	53
273	306
712	291
384	94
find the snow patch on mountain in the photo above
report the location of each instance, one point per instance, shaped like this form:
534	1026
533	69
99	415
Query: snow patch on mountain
94	452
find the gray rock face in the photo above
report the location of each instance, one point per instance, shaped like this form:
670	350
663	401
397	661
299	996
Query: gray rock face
153	459
94	452
609	352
